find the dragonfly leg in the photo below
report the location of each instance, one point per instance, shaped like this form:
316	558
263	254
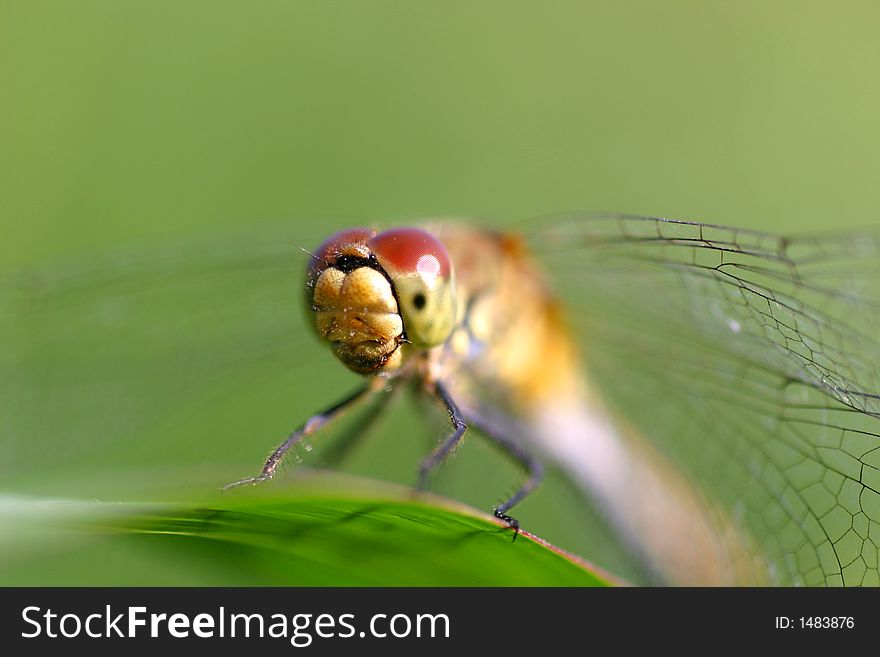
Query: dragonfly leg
344	444
311	426
530	464
533	467
442	451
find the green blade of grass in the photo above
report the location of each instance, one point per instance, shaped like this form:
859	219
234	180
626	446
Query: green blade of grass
290	538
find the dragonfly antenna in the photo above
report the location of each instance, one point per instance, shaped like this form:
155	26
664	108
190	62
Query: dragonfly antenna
313	256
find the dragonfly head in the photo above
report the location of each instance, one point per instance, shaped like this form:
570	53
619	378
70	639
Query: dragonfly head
372	292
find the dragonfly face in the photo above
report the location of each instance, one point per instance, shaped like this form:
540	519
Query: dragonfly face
371	293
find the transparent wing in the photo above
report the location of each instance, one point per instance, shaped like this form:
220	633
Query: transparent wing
187	356
752	361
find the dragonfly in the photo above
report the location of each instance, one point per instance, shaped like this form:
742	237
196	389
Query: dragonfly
714	391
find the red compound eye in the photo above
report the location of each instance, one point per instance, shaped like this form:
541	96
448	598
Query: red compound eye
408	251
348	242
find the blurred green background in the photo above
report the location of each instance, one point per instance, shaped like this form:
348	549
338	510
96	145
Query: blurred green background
217	126
122	119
